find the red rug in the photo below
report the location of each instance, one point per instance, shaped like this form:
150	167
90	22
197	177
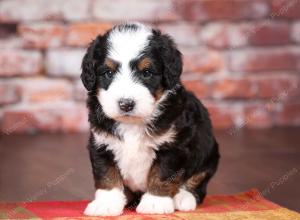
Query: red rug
249	205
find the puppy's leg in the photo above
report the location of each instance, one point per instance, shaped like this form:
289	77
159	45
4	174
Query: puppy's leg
110	198
106	203
192	192
201	189
160	191
186	198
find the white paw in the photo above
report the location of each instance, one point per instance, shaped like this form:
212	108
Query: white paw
152	204
184	201
106	203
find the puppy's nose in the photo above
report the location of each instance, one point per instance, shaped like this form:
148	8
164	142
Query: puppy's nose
126	105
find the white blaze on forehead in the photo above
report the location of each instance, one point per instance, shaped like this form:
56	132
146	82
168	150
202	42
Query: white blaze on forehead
127	44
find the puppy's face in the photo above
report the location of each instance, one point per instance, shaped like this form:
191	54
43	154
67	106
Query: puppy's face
129	69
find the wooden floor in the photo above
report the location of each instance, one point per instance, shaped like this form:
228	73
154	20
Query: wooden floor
56	167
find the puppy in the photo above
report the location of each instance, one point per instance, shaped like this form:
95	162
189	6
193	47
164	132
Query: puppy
151	141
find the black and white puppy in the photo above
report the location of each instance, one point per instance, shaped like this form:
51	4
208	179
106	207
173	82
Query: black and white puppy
151	141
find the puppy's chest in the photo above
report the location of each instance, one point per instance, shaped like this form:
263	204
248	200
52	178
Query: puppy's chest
134	157
134	153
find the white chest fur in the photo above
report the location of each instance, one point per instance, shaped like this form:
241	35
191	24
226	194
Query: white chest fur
134	154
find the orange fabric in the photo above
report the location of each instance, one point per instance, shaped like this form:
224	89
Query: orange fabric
248	205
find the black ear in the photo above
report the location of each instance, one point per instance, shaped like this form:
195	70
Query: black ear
95	53
172	61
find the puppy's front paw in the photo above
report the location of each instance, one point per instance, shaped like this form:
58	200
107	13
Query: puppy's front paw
152	204
106	203
185	201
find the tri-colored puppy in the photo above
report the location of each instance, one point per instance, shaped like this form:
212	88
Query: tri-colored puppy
151	140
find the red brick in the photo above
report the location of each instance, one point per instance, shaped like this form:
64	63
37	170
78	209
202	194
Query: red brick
278	87
30	10
42	35
222	115
288	114
9	93
296	32
183	33
20	62
228	35
53	118
199	87
201	60
223	35
264	60
45	90
266	33
233	88
81	34
285	9
203	10
146	10
257	116
64	62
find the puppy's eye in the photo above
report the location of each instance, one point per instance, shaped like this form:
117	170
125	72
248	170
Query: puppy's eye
108	74
147	74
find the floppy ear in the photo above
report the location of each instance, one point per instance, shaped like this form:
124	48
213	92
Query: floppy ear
172	61
94	53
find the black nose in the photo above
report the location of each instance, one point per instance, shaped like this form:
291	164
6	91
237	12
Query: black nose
126	105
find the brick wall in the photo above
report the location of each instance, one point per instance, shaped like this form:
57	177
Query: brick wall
241	57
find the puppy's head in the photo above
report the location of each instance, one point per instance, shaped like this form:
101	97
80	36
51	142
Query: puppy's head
130	68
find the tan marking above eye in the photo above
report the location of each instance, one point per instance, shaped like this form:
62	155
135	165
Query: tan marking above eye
111	64
144	64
